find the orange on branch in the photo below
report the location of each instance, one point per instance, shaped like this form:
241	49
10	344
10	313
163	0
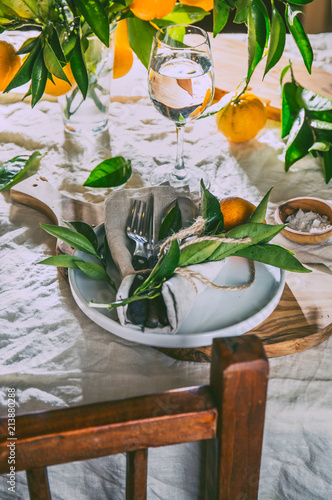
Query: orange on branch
242	118
60	87
236	211
9	64
123	54
151	9
202	4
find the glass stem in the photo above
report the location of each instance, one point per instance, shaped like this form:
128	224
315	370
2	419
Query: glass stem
180	171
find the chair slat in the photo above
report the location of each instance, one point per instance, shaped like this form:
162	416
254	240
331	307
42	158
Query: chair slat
39	488
137	471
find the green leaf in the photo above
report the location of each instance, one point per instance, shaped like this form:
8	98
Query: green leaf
68	261
73	238
290	109
56	45
53	64
198	252
274	255
38	79
164	268
311	101
320	146
78	67
210	211
95	15
299	35
277	40
140	34
86	230
27	46
284	72
171	224
255	231
320	124
25	72
110	173
183	14
13	170
327	159
300	140
257	34
259	213
299	2
220	16
94	271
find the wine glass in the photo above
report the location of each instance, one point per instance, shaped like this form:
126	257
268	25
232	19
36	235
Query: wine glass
181	86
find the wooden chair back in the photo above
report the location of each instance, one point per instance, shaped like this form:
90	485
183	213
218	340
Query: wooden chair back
229	413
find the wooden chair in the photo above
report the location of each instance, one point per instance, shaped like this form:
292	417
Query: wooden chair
228	412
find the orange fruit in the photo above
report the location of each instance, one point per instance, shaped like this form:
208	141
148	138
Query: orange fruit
123	55
236	211
60	87
9	64
242	118
151	9
202	4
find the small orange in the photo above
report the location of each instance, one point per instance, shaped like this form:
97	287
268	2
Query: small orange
236	211
60	87
151	9
202	4
123	54
9	64
242	118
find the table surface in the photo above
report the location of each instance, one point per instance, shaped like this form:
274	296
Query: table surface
56	357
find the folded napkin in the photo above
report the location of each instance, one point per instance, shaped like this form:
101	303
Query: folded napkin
178	293
307	254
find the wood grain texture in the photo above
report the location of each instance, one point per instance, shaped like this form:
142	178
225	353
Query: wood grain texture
136	474
301	320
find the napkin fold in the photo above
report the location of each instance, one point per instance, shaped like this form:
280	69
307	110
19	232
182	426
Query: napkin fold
178	293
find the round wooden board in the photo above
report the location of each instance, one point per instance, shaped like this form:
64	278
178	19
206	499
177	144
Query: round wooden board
301	320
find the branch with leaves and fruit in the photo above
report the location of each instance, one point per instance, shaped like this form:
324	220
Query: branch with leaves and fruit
65	26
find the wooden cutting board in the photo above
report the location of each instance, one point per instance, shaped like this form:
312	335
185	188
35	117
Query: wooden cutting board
230	59
294	326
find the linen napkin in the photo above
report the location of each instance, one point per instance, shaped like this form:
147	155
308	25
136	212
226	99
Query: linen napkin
178	293
307	254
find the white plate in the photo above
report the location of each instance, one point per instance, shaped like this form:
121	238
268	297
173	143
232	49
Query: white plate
215	313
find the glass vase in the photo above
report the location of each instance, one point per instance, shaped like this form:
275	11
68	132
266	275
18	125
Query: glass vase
90	115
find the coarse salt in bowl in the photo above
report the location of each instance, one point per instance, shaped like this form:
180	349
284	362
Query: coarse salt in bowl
309	220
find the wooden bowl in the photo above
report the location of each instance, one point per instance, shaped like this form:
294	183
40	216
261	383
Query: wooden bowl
306	204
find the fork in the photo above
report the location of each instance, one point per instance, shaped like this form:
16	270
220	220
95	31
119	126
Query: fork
137	230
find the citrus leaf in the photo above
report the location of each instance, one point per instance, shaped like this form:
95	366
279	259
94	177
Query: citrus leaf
257	34
12	171
299	2
56	45
296	29
140	34
274	255
259	213
86	230
327	159
320	146
24	73
53	64
311	101
220	16
38	79
95	15
27	46
183	14
68	261
164	268
289	109
211	212
320	124
77	65
73	238
198	252
277	40
94	271
300	140
171	224
110	173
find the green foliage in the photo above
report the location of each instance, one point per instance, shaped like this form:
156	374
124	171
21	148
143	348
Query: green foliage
306	119
110	173
13	170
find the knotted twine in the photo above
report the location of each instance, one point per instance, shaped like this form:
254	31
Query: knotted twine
194	231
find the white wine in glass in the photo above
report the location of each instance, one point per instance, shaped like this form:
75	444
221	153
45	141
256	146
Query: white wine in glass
181	86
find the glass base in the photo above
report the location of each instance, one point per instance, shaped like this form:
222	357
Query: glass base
190	177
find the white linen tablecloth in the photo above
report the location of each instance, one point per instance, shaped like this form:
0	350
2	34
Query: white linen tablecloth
54	356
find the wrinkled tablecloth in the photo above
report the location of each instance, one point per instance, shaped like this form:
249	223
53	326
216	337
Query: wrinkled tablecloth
54	356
